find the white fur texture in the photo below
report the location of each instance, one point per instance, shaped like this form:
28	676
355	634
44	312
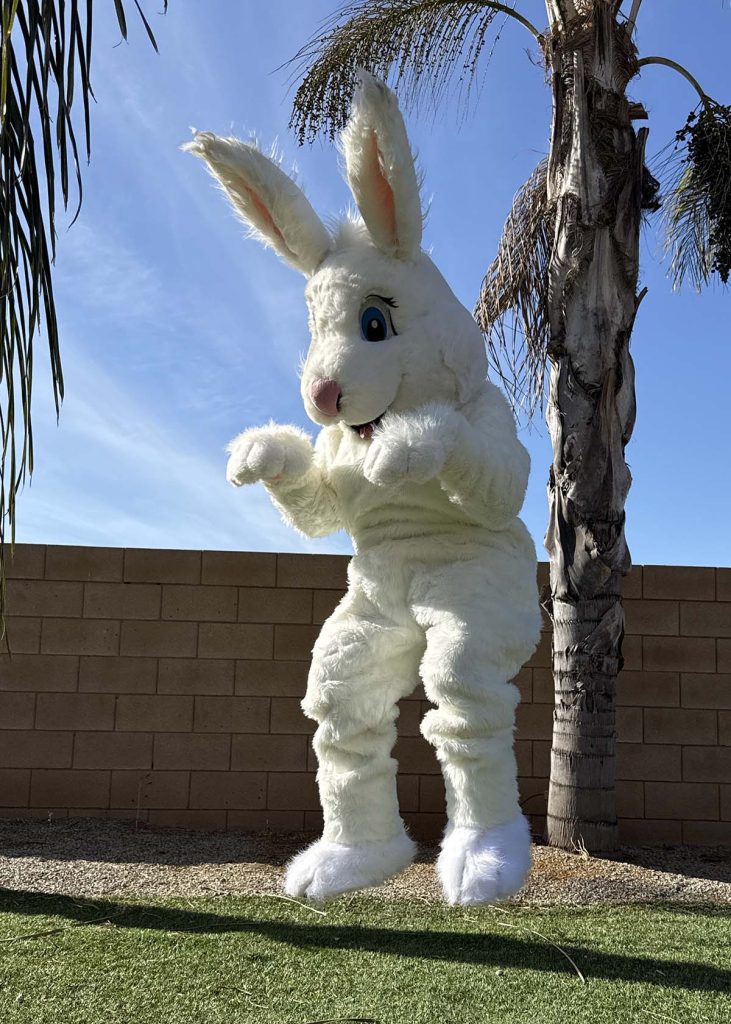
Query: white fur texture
422	465
484	865
326	869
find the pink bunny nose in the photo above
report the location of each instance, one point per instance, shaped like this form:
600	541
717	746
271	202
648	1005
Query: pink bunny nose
326	396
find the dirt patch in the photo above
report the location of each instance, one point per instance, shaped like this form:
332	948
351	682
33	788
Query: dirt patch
92	857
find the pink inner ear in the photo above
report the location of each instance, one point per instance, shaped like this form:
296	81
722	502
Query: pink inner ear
382	191
268	226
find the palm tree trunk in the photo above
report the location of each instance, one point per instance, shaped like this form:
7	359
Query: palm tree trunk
595	184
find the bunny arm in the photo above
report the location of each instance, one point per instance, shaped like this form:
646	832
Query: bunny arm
486	469
308	502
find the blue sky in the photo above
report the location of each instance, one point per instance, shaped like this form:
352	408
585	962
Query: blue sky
177	332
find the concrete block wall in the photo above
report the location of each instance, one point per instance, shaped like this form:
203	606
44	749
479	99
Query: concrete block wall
164	686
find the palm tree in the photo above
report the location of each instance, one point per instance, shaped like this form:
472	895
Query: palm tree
558	304
45	70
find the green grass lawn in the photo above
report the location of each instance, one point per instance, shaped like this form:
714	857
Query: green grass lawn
204	961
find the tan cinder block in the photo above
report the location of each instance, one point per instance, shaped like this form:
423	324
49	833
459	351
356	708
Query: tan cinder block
630	799
723	584
152	565
724	655
415	756
235	640
656	618
534	721
543	689
122	600
30	749
195	676
542	656
159	639
154	713
542	575
294	643
629	725
632	583
432	798
191	751
702	690
425	827
318	571
311	759
14	787
632	653
288	717
25	561
407	788
648	689
678	654
324	604
45	597
679	582
49	814
22	636
726	802
269	753
240	568
533	795
209	821
541	762
141	789
62	788
680	725
707	833
75	711
524	756
80	636
117	675
217	790
17	711
641	832
231	714
679	800
266	821
199	604
648	761
409	718
705	618
706	764
292	791
275	604
113	750
524	682
275	678
724	728
70	562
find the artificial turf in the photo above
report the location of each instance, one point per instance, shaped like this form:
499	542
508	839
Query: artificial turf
264	960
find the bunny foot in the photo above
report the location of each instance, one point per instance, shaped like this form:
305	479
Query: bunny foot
484	865
329	869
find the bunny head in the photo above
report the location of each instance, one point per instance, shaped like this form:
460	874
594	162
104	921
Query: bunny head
387	331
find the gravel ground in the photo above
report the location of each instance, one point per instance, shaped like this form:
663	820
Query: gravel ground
92	858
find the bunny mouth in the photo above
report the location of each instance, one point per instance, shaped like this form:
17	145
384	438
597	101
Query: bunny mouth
366	429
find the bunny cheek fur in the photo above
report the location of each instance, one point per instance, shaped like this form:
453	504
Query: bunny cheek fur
442	587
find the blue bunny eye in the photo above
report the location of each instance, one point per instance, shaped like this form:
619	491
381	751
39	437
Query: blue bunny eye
375	319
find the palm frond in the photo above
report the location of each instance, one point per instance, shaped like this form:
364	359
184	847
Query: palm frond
422	41
696	183
45	67
512	309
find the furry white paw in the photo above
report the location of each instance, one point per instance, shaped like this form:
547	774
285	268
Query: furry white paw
329	869
411	446
484	865
268	453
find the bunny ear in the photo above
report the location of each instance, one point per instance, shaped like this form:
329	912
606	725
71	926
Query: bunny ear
266	199
380	169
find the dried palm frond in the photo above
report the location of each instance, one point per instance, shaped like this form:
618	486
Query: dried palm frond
424	41
45	70
512	309
696	182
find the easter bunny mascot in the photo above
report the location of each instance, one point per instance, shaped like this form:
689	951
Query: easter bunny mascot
419	461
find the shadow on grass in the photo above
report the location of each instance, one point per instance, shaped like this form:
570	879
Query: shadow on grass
497	950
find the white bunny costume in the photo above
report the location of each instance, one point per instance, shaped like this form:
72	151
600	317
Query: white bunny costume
419	460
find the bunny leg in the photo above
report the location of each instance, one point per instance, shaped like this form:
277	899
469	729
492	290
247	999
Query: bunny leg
478	636
363	663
